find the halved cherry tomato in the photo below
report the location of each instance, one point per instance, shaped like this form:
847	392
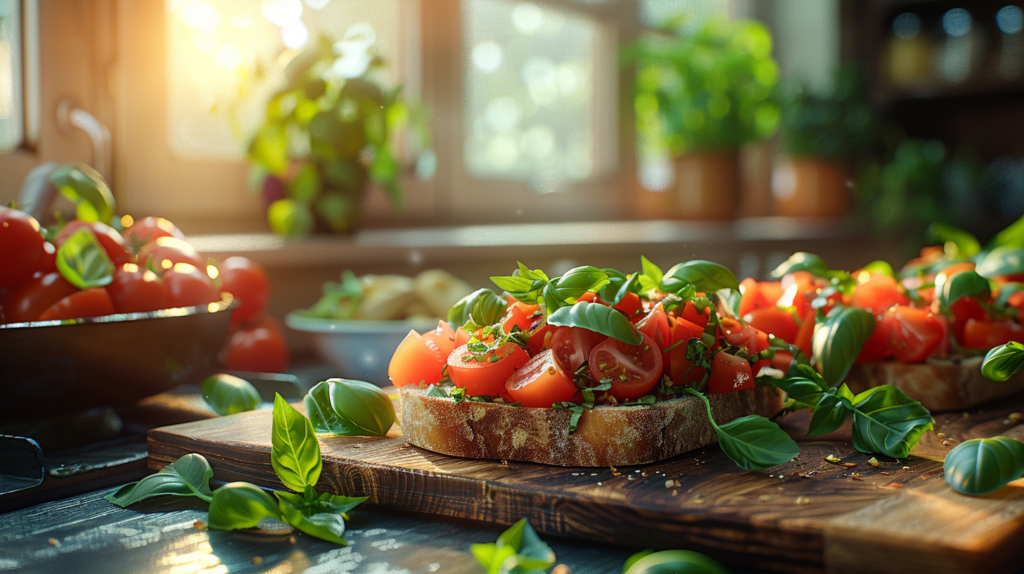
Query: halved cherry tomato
729	373
540	338
109	239
630	305
633	369
189	286
147	229
963	309
89	303
29	301
915	333
878	294
164	252
571	346
487	374
136	289
21	248
414	362
441	340
752	298
259	346
774	321
988	334
245	280
540	383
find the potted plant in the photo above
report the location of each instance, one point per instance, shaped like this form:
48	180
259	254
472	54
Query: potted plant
702	92
329	133
821	135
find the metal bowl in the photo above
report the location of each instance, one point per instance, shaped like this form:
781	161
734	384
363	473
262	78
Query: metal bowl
59	367
360	350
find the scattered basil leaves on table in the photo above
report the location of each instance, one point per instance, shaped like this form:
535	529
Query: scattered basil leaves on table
666	561
599	318
887	421
83	262
1003	362
188	476
349	408
295	452
228	395
518	550
837	341
984	465
240	505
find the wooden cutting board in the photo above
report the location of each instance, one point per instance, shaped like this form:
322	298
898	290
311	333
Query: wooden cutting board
805	516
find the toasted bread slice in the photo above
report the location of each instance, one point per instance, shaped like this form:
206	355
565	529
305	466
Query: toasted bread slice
605	436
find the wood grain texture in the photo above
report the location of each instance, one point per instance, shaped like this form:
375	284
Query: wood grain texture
805	516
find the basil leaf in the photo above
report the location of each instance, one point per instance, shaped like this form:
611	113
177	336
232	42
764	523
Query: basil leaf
518	550
532	274
188	476
964	284
887	421
1002	261
314	503
956	241
805	392
619	285
514	285
295	454
349	408
1011	236
241	505
829	412
86	187
1003	362
651	275
705	276
881	267
478	309
802	261
83	262
598	318
338	300
437	391
575	282
983	465
678	561
752	442
1003	299
837	341
325	525
228	395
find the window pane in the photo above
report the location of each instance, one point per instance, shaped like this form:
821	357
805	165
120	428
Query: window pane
213	44
533	80
12	122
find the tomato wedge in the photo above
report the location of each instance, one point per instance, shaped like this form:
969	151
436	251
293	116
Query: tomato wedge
915	333
752	298
540	383
729	373
571	346
655	325
633	369
485	374
414	362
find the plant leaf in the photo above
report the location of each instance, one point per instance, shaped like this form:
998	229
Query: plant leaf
480	309
887	421
1002	261
518	550
806	391
650	274
880	266
956	241
983	465
837	341
802	261
1011	236
228	395
188	476
676	561
964	284
241	505
573	284
1003	362
752	442
86	187
322	522
349	408
295	454
830	412
83	262
705	276
598	318
1002	300
619	285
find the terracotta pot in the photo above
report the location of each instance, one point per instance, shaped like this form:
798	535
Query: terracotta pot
811	187
707	185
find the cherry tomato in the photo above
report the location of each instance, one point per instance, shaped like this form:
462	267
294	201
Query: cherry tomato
147	229
520	315
540	338
774	321
988	334
782	361
164	252
137	290
189	286
699	318
750	338
729	373
752	298
655	325
633	369
49	263
915	334
485	375
680	369
88	303
942	351
21	248
963	309
462	337
540	383
28	302
571	346
771	290
878	294
259	348
414	362
248	282
805	335
440	341
108	238
630	305
878	345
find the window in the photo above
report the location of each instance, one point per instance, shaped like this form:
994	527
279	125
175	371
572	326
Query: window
11	104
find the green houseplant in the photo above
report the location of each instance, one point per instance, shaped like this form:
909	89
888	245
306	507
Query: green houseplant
328	133
701	92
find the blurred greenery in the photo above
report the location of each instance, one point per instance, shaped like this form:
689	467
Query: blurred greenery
838	126
707	87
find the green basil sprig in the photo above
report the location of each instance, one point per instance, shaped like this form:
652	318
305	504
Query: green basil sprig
227	395
1002	261
802	261
517	550
669	561
478	309
524	284
349	408
188	476
599	318
295	452
752	442
651	275
965	284
86	187
984	465
837	341
240	505
83	262
705	276
321	516
1003	362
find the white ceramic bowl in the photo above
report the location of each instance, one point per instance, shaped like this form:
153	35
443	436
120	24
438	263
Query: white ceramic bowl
360	350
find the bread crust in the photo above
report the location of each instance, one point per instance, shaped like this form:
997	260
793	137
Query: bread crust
940	386
605	436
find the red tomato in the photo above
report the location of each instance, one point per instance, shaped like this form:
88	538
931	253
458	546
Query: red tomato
520	315
655	325
259	348
136	290
729	373
414	362
699	318
108	238
630	305
189	286
752	298
634	369
942	351
147	229
21	248
89	303
571	346
166	251
248	282
589	297
462	337
49	263
774	321
963	309
680	369
915	334
746	336
440	341
540	383
29	302
878	346
540	339
804	281
878	294
782	360
771	290
988	334
805	335
484	377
